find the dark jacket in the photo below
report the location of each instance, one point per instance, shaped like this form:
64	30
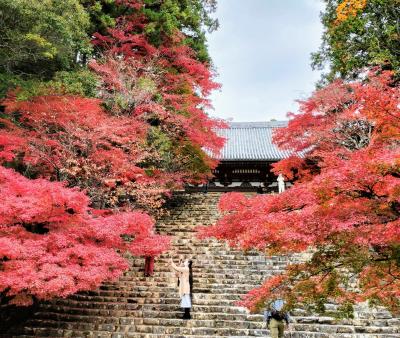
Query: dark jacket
277	315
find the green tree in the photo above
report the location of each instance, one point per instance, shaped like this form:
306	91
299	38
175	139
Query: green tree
359	34
191	17
39	37
102	14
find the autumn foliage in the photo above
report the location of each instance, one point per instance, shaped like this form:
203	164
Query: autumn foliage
53	244
349	8
78	172
342	212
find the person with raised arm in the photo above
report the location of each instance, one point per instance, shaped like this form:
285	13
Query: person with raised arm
185	285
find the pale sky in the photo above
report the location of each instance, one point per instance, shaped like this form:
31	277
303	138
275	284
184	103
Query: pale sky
262	54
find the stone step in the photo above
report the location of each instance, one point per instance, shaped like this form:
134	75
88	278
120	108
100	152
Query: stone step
306	334
133	303
167	311
113	296
205	260
212	289
148	307
118	324
166	271
186	328
217	266
171	285
159	307
201	277
150	335
94	315
164	290
124	324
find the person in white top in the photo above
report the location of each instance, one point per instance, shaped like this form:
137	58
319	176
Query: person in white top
185	285
281	183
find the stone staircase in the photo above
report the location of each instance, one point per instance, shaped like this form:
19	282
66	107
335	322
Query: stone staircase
148	307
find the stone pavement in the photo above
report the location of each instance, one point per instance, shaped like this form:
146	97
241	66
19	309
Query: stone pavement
148	307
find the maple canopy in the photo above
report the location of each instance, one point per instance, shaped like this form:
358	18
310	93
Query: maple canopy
52	244
78	172
342	214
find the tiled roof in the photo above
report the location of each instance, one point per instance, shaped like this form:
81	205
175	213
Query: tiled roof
251	141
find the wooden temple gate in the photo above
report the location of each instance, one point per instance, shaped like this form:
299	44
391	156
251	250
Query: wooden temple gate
246	159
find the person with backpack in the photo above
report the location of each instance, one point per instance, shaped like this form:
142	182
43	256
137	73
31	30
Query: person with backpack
185	285
276	318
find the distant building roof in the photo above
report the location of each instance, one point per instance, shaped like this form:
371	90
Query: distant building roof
251	141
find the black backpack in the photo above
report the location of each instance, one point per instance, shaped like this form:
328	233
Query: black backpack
278	315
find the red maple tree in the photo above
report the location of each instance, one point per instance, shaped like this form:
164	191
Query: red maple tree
343	211
53	244
115	155
164	85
